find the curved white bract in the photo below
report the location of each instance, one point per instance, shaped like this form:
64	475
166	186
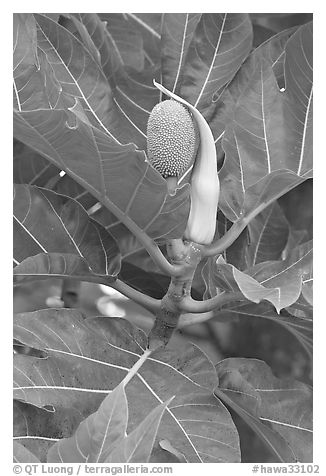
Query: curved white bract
205	185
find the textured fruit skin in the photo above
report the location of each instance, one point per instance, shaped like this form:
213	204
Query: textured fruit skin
172	138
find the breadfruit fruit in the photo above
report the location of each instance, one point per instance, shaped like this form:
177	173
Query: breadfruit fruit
172	138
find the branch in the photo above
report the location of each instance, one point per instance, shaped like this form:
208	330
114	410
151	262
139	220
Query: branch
190	305
158	257
238	226
192	318
151	304
227	239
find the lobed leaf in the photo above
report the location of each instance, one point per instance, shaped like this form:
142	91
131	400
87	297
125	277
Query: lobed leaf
64	80
135	97
88	358
149	27
126	40
70	188
273	51
31	168
137	194
279	282
27	421
278	410
23	455
128	244
268	235
54	236
74	24
280	21
119	47
263	160
76	125
137	446
298	97
293	269
220	44
299	326
97	435
116	175
295	238
166	445
178	30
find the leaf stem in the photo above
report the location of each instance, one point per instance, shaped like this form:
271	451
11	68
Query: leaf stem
156	254
149	303
238	226
216	302
227	239
190	319
134	369
148	243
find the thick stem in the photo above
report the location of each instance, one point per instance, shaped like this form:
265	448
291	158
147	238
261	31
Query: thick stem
189	254
165	323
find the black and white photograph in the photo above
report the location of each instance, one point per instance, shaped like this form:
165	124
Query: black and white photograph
162	242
